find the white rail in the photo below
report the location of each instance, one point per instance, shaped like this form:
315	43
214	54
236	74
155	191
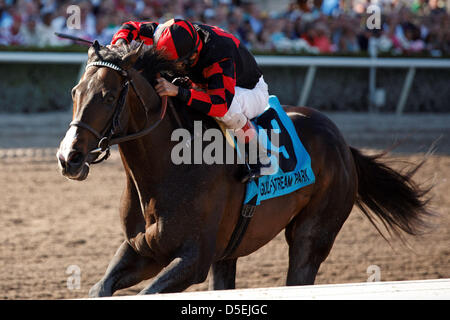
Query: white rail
312	63
438	289
350	62
43	57
287	61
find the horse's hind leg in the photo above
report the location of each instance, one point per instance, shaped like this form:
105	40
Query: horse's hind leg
312	233
126	269
223	275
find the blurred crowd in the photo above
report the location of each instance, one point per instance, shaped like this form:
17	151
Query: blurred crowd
307	26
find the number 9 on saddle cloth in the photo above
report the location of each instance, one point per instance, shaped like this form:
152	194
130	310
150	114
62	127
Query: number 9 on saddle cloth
288	156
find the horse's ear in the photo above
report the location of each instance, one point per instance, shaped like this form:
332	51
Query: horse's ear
95	48
96	45
131	57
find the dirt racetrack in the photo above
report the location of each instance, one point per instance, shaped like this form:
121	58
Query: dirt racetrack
49	223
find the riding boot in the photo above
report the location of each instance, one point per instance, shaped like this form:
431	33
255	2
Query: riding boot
261	168
263	165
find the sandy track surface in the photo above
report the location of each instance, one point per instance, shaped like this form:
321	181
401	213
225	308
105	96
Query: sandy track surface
50	223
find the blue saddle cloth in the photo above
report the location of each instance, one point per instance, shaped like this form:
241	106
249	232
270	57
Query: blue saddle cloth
294	163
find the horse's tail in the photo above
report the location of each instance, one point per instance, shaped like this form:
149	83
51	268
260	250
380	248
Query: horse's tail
390	195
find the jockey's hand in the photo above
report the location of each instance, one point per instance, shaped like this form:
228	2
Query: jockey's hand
184	82
165	88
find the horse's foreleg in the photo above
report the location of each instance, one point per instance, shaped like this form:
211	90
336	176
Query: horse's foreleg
183	271
126	269
223	275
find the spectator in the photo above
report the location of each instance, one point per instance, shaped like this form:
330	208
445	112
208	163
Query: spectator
317	36
6	20
30	33
348	42
102	33
253	15
317	26
88	19
434	8
278	37
262	42
12	35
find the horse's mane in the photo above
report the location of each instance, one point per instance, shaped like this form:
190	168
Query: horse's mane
150	63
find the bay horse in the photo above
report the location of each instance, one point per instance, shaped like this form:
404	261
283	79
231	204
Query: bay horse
178	219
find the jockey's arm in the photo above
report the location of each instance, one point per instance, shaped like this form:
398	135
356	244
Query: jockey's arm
216	99
133	30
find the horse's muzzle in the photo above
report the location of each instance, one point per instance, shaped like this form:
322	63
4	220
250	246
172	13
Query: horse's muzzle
75	166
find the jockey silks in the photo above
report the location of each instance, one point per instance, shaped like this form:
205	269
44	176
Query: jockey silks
223	64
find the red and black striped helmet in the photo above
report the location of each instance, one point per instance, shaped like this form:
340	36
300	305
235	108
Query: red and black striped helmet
178	38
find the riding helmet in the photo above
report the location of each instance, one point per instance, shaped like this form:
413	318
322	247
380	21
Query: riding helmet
178	38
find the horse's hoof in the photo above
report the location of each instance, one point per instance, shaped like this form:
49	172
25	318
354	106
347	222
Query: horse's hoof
98	290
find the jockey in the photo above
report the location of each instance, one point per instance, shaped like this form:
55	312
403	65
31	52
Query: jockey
233	91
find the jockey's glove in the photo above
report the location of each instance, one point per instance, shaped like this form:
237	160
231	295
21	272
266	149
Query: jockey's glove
183	82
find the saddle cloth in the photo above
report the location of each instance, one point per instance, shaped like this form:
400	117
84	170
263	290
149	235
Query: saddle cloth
288	154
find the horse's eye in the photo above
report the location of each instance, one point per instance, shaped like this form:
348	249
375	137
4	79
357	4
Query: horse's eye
109	99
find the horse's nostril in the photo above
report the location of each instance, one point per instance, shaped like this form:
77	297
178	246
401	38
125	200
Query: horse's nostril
75	158
62	161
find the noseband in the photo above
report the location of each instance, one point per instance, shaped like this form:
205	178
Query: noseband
106	137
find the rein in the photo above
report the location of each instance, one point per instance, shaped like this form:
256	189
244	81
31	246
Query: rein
106	137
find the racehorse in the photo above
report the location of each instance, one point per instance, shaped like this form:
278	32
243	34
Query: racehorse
178	219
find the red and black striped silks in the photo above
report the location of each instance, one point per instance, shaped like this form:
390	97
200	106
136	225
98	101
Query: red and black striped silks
216	99
133	30
223	62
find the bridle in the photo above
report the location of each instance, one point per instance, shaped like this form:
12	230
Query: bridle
106	138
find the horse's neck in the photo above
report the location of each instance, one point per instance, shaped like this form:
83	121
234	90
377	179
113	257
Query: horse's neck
141	157
147	159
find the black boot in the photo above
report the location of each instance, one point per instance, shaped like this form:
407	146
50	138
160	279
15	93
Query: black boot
263	165
248	136
254	171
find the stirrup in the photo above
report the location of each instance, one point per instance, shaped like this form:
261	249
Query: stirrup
255	172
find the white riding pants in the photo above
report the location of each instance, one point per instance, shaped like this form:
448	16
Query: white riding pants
246	104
